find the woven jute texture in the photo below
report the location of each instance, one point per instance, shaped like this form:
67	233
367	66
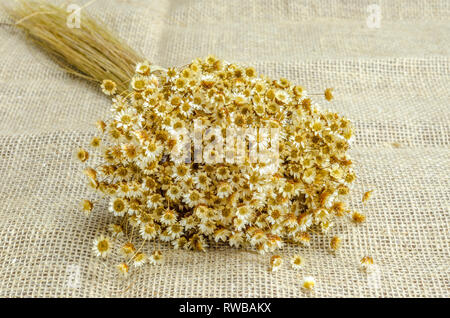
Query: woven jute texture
392	81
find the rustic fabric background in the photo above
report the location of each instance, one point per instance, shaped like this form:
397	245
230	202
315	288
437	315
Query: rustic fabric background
392	81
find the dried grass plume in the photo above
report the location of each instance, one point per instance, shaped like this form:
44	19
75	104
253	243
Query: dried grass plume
91	51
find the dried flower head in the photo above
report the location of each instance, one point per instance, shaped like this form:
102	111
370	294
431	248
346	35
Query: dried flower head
139	259
358	217
109	87
328	94
366	263
127	249
309	282
123	269
81	155
86	206
102	246
275	263
116	230
143	68
156	258
101	126
95	142
297	261
335	243
366	196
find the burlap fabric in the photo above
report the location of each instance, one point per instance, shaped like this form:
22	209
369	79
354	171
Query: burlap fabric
393	81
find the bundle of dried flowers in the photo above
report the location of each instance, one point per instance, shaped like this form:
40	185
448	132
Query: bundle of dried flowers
214	151
211	151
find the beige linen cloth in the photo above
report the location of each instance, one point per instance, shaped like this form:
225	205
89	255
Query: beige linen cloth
392	81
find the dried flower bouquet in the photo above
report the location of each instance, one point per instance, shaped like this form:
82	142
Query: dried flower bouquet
211	151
